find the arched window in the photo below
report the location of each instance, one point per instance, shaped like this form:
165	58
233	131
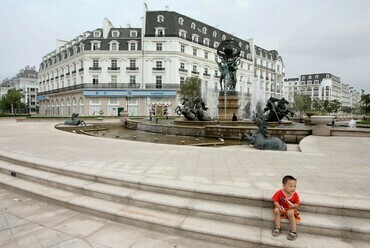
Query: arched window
204	30
160	18
193	26
181	21
214	34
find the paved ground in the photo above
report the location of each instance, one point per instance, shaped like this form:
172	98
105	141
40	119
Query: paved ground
336	166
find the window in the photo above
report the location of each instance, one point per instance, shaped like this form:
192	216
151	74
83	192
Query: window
194	51
316	76
97	34
193	26
114	45
113	101
182	65
205	54
309	77
133	46
206	42
159	46
95	63
303	78
95	79
95	46
114	63
132	79
204	30
182	80
182	48
194	68
81	64
82	47
159	32
214	34
115	34
206	70
216	44
132	63
195	38
182	34
133	33
158	82
181	21
223	37
114	79
160	18
158	64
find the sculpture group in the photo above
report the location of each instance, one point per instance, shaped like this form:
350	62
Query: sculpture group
276	109
74	121
228	62
193	110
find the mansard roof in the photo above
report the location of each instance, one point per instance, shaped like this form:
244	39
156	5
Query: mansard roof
319	76
172	27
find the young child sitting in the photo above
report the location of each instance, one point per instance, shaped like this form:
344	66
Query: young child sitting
286	200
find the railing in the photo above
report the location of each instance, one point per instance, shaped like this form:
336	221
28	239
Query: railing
183	70
163	86
158	68
195	72
94	68
206	74
113	68
74	72
80	70
132	68
93	86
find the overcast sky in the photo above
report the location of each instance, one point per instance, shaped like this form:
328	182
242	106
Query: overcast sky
312	36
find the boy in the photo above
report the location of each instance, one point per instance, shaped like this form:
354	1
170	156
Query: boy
286	200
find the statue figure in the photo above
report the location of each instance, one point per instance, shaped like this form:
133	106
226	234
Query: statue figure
200	109
228	62
276	109
260	139
193	111
74	121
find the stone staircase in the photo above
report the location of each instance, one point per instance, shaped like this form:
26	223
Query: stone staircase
234	216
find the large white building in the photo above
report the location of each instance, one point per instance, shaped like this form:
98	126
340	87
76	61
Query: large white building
26	81
141	68
321	86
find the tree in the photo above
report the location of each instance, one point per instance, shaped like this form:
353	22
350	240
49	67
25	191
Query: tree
11	100
190	88
335	105
302	103
365	102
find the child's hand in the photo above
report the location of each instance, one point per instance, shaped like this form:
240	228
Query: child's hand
291	205
281	209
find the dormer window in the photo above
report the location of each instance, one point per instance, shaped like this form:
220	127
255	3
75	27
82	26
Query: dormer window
214	34
216	44
327	75
303	78
204	30
160	18
95	45
317	77
182	34
82	47
247	47
159	32
132	45
115	34
133	33
181	21
240	44
193	26
113	45
75	49
223	37
206	41
96	33
194	38
309	77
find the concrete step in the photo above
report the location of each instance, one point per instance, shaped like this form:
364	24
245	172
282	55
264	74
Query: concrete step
233	234
314	223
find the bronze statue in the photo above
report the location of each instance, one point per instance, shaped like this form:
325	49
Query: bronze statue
193	111
260	139
74	121
228	62
276	109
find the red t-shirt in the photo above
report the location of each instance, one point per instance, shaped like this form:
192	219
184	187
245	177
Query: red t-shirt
280	197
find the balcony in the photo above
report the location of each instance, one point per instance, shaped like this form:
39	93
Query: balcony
195	72
81	70
163	86
183	70
93	86
67	74
113	69
132	68
158	68
95	69
206	74
74	72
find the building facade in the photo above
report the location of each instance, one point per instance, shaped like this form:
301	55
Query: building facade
321	86
26	81
140	69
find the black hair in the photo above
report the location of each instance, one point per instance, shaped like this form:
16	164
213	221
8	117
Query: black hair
286	178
